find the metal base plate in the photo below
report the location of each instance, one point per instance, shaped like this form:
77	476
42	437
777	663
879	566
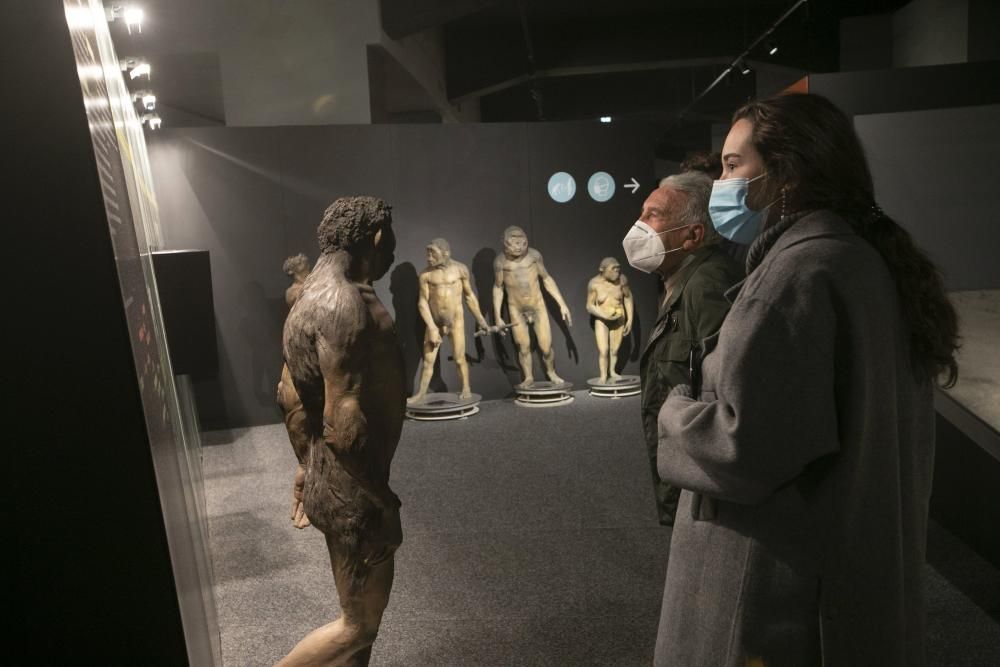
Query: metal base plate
443	406
544	394
626	385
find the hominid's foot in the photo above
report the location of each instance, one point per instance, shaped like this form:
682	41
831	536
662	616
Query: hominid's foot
555	379
527	384
466	393
416	398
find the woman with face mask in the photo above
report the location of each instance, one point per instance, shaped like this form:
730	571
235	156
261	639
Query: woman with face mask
806	459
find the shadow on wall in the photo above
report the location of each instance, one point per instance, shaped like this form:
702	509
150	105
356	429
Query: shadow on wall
483	278
404	285
553	308
215	414
260	327
631	348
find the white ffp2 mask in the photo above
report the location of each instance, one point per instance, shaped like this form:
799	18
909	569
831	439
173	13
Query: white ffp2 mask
644	248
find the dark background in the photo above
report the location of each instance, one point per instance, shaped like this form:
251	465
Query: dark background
253	196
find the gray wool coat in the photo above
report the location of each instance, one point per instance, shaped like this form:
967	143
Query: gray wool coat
807	464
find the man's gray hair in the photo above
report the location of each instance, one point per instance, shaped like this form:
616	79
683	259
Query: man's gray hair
697	187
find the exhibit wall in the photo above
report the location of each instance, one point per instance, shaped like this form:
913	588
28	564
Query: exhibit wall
931	173
254	196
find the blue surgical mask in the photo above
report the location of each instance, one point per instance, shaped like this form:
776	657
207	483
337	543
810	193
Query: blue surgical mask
731	216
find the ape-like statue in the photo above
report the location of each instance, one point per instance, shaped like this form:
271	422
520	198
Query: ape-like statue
518	272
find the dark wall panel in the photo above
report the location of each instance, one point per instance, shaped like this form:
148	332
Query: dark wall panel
221	190
930	174
252	196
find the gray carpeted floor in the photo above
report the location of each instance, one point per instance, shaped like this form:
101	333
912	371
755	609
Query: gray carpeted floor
530	538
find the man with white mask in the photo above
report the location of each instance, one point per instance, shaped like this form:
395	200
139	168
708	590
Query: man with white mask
675	239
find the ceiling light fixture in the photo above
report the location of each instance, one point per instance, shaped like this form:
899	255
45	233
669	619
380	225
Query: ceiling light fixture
743	67
135	67
152	120
739	61
132	15
605	119
771	47
147	98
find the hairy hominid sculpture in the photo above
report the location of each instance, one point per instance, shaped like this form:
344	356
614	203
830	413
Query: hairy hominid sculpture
344	411
609	300
444	284
519	270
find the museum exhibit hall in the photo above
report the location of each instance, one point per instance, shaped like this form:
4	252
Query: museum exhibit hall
505	332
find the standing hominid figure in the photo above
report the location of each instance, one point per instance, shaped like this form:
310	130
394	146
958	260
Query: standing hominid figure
443	285
297	268
609	300
342	356
518	272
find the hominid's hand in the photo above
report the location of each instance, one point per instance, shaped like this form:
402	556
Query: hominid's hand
299	518
434	336
567	318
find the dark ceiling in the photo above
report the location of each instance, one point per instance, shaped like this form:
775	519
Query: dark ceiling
530	60
630	59
577	59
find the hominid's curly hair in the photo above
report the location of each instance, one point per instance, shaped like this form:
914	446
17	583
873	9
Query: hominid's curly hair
809	146
350	222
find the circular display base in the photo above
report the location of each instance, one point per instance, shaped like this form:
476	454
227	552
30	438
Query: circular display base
626	385
544	394
443	407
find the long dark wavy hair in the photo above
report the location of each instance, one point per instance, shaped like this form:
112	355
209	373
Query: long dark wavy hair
812	153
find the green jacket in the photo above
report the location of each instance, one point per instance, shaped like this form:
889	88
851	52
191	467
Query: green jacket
695	311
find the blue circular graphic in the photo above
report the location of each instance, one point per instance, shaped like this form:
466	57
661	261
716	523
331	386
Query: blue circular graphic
601	186
562	187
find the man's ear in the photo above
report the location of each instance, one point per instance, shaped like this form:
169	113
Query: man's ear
696	236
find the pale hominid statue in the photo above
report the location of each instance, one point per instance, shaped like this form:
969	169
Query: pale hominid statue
444	285
520	274
609	300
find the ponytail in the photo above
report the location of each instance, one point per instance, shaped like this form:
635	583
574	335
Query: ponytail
925	308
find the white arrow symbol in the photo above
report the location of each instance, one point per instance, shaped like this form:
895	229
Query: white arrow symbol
633	186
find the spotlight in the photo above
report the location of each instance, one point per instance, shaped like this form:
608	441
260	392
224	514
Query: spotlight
133	18
147	98
152	120
743	67
605	119
132	15
771	47
135	67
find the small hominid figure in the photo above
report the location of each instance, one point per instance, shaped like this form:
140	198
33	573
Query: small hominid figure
297	268
609	300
